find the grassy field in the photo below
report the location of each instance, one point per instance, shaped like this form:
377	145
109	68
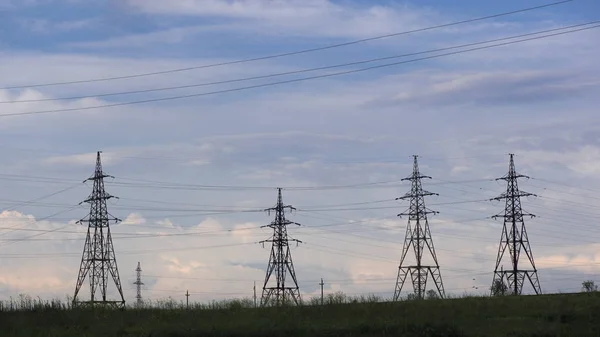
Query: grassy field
549	315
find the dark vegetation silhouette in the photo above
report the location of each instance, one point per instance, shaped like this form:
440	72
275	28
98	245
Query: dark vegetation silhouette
341	315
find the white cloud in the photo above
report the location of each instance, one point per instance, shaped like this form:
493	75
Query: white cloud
312	16
166	223
584	160
497	87
176	266
315	18
586	260
288	8
134	219
42	26
86	159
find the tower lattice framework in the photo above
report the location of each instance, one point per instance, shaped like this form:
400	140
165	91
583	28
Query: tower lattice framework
514	239
138	284
275	290
99	261
418	237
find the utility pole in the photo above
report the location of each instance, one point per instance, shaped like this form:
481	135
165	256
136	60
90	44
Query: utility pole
139	284
514	237
418	236
187	300
280	261
254	289
322	284
98	257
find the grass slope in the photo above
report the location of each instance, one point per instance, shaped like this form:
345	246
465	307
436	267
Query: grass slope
548	315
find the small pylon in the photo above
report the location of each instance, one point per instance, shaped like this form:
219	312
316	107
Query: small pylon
514	238
418	235
138	283
280	262
98	258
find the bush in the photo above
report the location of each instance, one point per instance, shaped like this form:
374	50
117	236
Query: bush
589	286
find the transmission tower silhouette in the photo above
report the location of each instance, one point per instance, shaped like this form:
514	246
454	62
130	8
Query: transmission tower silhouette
418	236
276	292
514	239
138	283
98	258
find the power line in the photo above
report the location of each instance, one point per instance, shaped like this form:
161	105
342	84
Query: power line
163	216
133	252
32	201
367	281
294	72
174	203
152	184
171	185
384	207
151	235
335	251
564	192
16	177
346	204
163	99
349	222
378	240
566	185
563	221
6	243
188	233
569	202
462	237
139	183
186	158
175	185
233	280
146	208
289	53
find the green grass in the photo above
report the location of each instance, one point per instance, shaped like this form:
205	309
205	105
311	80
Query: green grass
540	316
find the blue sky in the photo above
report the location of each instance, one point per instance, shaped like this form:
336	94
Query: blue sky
61	25
461	113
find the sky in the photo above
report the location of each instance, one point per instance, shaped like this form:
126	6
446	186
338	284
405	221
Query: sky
193	174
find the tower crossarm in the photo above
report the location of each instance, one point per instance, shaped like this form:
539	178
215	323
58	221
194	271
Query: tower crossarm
283	223
99	219
421	193
513	176
515	194
98	177
98	198
510	216
419	214
283	207
418	177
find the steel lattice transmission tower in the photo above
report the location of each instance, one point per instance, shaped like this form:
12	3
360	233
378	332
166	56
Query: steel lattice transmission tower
98	258
514	239
138	283
418	236
275	291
